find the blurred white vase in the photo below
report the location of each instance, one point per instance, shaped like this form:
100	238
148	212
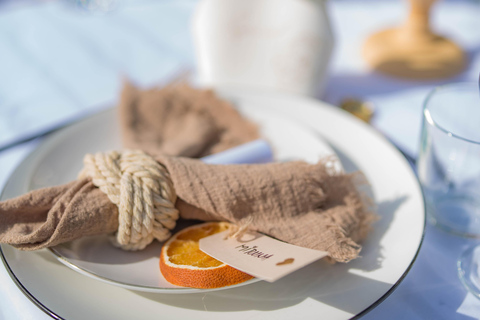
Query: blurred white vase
282	45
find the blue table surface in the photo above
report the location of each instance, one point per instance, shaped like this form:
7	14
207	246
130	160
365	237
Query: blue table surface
59	64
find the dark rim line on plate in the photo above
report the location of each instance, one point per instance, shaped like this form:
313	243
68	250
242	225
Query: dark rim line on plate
359	315
25	291
412	164
396	284
12	275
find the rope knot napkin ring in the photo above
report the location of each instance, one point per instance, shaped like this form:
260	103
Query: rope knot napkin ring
142	190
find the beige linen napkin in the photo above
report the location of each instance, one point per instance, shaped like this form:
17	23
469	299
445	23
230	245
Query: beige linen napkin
181	121
299	203
296	202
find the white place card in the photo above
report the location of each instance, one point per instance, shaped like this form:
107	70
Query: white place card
259	255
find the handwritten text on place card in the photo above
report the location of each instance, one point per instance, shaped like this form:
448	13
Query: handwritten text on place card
259	255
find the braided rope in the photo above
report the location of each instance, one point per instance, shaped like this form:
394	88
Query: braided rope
143	192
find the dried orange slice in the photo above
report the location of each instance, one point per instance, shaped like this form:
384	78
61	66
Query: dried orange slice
183	263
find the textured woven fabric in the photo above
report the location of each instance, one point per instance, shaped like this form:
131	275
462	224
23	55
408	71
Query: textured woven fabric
296	202
181	121
307	205
303	204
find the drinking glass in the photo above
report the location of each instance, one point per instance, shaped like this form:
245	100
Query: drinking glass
449	158
449	168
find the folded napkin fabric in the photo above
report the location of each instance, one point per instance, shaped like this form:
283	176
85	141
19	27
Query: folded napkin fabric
50	216
180	120
309	205
303	204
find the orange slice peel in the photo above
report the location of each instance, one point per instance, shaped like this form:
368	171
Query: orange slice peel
182	263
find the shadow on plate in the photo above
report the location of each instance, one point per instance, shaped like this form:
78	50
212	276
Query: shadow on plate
346	287
99	249
333	285
337	285
372	252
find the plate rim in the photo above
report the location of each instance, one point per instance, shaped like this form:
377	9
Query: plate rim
22	288
360	314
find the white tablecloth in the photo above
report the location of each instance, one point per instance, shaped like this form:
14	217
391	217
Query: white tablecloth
58	64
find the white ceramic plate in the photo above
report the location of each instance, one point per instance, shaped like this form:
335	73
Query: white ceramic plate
97	258
338	291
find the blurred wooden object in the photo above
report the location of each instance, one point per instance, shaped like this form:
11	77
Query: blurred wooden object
361	109
412	50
